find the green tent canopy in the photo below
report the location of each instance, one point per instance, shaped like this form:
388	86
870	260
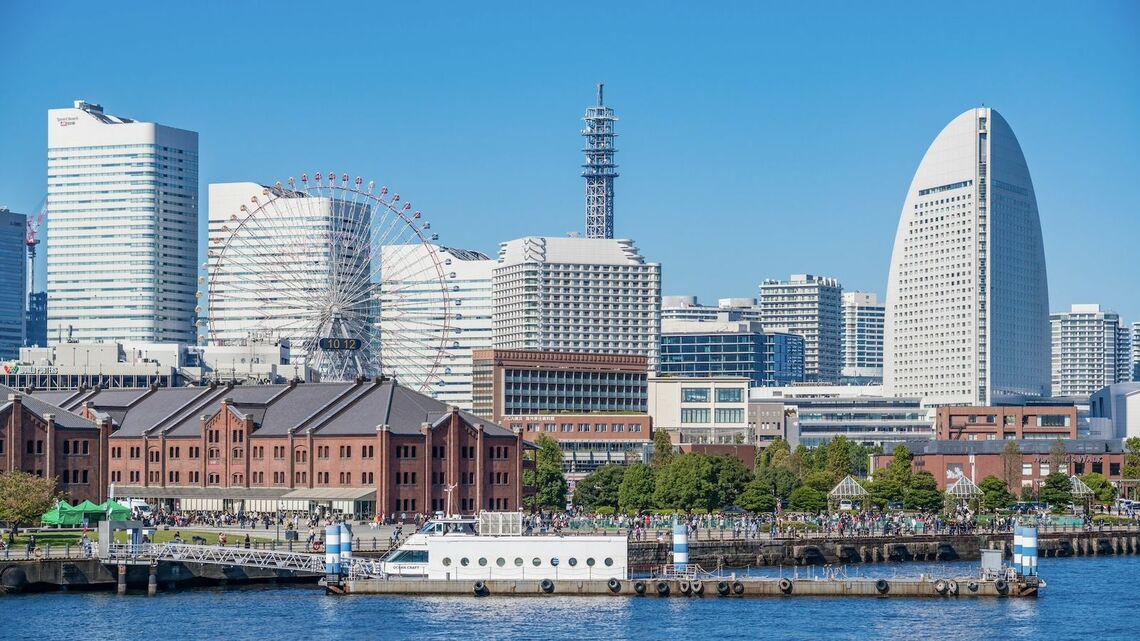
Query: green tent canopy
119	512
62	514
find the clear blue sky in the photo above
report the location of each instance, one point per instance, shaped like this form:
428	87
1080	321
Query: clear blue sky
756	139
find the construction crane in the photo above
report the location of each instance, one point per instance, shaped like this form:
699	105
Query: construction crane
31	228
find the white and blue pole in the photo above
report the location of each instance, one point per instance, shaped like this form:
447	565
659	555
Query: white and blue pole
345	547
680	546
332	549
1029	551
1018	548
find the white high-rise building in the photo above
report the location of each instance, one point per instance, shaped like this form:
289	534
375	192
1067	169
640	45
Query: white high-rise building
1136	351
1090	350
406	356
810	306
967	298
593	295
862	339
123	234
688	308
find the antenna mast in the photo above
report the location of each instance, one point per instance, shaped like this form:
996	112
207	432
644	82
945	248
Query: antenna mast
599	170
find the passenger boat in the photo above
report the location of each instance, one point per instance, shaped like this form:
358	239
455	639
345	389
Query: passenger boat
494	546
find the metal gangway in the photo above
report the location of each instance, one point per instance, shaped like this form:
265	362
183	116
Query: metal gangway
234	556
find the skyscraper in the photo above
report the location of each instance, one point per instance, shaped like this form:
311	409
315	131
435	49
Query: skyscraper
1136	351
811	307
862	339
1090	350
13	265
468	276
967	297
123	238
588	295
599	169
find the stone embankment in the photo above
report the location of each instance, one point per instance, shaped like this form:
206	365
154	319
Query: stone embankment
93	574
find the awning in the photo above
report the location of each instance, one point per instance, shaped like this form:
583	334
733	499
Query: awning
332	494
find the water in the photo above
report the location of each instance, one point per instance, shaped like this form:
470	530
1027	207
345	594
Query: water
1087	598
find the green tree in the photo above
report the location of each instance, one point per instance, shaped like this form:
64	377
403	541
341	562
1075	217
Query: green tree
899	469
1058	458
1102	488
637	487
599	488
757	497
1131	469
778	480
819	480
922	493
840	457
799	461
1057	491
775	454
24	498
687	484
806	499
731	476
996	494
546	477
884	491
662	449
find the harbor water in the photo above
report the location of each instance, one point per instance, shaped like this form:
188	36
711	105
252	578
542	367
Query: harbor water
1092	597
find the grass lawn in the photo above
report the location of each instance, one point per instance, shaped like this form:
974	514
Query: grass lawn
60	538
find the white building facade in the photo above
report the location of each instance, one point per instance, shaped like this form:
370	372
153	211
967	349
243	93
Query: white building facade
122	240
1135	342
967	319
810	306
710	409
467	318
862	339
688	308
1090	350
589	295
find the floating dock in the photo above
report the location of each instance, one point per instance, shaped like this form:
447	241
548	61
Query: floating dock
709	588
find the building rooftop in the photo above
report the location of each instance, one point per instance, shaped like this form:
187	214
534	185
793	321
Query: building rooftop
574	251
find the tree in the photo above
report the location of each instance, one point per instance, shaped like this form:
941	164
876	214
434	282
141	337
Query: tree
1057	491
662	449
922	493
637	486
805	499
898	470
757	497
799	461
819	480
1011	465
996	494
775	454
1131	469
599	488
778	480
25	497
884	491
840	457
1058	458
730	476
687	484
546	477
1102	488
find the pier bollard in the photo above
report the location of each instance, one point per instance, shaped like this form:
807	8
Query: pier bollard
152	580
122	586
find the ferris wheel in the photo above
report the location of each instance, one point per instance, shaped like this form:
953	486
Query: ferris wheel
345	271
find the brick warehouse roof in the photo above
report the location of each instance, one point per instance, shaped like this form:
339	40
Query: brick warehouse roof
335	409
63	418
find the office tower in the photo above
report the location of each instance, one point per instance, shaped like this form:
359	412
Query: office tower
588	295
731	348
862	339
13	265
36	320
123	238
599	170
1090	350
468	322
1135	351
967	297
810	306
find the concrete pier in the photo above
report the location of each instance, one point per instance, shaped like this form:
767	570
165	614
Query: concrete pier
122	584
152	580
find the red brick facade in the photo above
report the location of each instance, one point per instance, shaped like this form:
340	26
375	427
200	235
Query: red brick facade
54	443
1005	422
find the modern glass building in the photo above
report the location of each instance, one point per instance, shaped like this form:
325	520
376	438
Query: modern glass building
122	243
723	348
967	297
36	324
13	265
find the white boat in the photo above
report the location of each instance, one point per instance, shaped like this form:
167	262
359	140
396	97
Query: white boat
493	546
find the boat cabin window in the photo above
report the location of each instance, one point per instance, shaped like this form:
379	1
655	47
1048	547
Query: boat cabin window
410	556
436	527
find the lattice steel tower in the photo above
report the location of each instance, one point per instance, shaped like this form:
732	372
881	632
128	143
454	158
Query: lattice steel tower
599	169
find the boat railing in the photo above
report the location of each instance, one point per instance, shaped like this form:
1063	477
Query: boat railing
688	571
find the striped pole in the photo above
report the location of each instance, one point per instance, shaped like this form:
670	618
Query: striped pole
1029	551
345	547
680	546
1018	545
332	549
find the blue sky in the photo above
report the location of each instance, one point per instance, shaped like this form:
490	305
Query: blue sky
756	139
